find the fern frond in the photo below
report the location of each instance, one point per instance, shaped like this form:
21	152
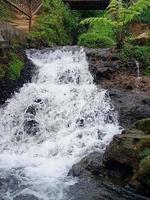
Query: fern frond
136	9
92	20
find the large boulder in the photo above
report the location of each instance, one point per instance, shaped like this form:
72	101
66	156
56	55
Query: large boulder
131	151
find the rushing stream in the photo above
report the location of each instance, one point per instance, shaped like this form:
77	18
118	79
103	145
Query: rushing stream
51	124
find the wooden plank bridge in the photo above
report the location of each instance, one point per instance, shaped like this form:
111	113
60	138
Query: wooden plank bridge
30	7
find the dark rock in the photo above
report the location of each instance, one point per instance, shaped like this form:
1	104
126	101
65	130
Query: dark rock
125	151
94	183
31	110
102	63
91	163
31	127
131	106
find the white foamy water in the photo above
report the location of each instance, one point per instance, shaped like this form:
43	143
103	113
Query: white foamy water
50	125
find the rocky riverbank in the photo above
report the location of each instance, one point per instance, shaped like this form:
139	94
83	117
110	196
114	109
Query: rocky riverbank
127	86
123	171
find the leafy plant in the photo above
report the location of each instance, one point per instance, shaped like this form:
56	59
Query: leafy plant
140	53
55	25
147	71
16	64
119	16
144	17
98	37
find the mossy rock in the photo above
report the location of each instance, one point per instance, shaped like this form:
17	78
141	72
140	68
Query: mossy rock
122	150
144	143
144	125
144	171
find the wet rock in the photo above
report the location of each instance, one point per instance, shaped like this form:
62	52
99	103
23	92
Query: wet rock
130	151
131	106
80	122
26	197
94	183
102	63
31	127
104	176
31	110
91	163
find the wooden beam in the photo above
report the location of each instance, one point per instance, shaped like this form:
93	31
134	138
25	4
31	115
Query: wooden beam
38	8
17	7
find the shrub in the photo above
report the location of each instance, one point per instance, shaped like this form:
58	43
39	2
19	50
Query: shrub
96	36
140	53
147	71
16	64
55	25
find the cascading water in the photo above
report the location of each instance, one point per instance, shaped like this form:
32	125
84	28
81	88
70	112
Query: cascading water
51	124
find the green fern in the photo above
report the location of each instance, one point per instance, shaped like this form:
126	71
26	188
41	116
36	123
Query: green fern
119	15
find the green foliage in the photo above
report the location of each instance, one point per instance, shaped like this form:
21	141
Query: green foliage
55	25
119	16
4	11
98	37
16	64
144	170
147	72
145	153
144	17
140	53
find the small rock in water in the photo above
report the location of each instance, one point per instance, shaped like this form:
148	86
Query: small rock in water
80	122
31	110
31	127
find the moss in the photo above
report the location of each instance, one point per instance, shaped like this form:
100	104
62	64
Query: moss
144	171
143	125
16	64
143	144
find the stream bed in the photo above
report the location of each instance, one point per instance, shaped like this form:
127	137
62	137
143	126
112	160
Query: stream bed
51	124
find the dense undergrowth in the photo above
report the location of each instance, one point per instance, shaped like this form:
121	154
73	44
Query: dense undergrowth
55	25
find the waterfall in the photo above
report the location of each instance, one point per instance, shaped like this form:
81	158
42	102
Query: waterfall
138	68
50	124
